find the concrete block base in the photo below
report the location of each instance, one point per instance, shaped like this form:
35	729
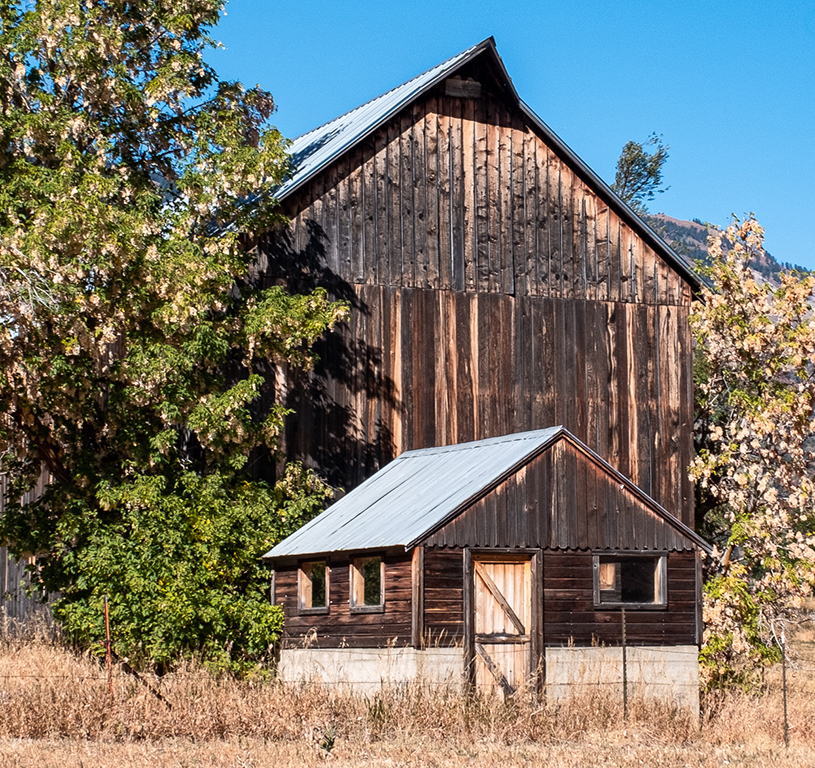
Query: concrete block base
366	670
666	673
669	674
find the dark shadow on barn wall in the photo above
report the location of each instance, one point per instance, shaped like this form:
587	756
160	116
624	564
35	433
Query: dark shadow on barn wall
323	431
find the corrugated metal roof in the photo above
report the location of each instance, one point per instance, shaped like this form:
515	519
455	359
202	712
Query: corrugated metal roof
413	494
316	149
421	490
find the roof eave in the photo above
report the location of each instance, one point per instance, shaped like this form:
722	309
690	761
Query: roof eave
615	201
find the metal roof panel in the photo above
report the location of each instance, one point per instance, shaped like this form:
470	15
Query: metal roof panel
413	494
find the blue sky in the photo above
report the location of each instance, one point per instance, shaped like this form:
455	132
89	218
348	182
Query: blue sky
729	85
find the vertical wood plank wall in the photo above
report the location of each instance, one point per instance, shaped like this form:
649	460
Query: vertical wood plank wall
491	291
14	603
561	499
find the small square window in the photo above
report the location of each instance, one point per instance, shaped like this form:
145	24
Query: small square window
622	580
313	587
367	585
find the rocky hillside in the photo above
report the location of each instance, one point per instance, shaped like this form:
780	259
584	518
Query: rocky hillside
689	239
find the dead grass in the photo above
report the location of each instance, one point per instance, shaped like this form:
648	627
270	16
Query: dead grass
55	711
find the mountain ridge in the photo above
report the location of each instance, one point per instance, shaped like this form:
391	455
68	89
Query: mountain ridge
689	239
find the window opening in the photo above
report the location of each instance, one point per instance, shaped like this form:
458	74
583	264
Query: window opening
314	586
367	588
629	580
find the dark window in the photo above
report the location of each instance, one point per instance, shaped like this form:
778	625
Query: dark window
314	587
629	580
367	585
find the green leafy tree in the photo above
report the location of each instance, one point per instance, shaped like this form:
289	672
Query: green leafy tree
755	439
639	172
133	340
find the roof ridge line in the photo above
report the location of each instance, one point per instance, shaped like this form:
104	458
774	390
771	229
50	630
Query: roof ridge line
395	88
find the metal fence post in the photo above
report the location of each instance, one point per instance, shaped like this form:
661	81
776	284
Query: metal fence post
625	671
784	686
108	657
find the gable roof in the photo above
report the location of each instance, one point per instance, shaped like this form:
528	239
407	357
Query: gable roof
317	149
421	490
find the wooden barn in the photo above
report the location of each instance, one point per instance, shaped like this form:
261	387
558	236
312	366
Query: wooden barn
497	288
509	562
496	285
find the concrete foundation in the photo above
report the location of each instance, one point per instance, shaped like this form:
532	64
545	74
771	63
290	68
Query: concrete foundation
666	673
366	670
669	674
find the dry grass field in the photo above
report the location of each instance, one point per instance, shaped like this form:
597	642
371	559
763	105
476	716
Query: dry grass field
55	711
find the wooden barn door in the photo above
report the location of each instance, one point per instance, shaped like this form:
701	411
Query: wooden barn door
502	622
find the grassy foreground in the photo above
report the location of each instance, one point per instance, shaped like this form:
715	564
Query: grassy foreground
55	710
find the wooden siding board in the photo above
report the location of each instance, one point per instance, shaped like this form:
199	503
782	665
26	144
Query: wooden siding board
367	257
419	161
482	210
445	199
684	500
430	278
380	258
457	193
345	205
519	361
519	257
507	270
493	195
469	196
530	201
407	191
331	219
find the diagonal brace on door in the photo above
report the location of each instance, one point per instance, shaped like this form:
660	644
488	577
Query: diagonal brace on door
494	671
502	601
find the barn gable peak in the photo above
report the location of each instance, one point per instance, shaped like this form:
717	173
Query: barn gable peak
466	74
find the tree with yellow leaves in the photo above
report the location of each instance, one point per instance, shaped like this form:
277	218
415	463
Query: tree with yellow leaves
133	344
755	437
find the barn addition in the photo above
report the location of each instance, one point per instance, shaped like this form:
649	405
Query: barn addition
508	562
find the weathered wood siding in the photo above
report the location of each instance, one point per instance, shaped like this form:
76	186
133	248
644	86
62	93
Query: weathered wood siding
443	596
339	627
492	291
562	499
569	615
14	579
463	194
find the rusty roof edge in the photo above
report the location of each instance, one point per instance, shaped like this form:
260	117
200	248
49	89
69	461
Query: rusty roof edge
492	485
655	505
